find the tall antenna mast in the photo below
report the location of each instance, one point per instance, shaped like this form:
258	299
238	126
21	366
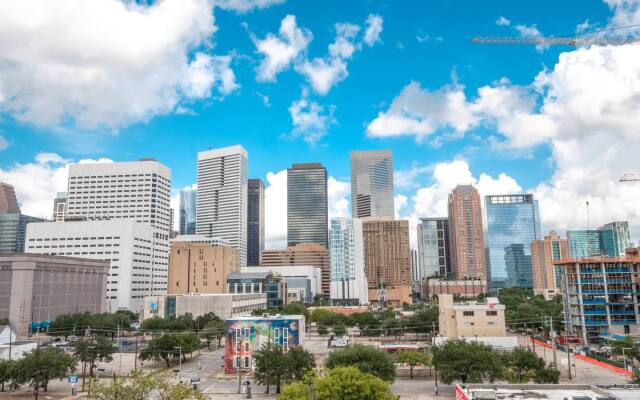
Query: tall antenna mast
588	225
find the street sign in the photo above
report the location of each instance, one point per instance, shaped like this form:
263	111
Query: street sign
72	379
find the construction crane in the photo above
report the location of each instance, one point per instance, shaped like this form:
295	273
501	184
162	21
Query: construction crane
630	178
553	40
568	40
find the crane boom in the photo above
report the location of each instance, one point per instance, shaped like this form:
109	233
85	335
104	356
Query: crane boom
630	178
546	41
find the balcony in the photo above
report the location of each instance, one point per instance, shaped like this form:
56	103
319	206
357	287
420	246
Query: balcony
590	281
595	301
623	281
621	312
595	312
610	271
593	322
623	322
620	291
594	291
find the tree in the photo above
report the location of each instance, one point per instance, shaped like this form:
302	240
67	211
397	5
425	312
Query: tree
41	365
546	375
366	321
412	358
318	313
213	330
521	365
424	320
162	347
270	366
188	343
296	309
344	383
339	330
139	385
629	346
466	362
322	330
299	361
6	371
90	351
367	358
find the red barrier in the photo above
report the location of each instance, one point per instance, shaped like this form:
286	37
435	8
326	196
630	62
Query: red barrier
603	364
589	360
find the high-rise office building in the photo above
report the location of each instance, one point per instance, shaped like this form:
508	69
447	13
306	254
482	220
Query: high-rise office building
187	216
543	254
513	222
60	207
8	200
222	196
307	208
584	243
387	260
348	281
136	190
466	234
615	238
13	231
303	255
372	184
434	257
255	221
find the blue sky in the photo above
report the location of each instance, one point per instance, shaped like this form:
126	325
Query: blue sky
428	43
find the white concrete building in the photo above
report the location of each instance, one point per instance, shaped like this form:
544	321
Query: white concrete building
221	209
137	190
224	306
348	280
303	282
127	244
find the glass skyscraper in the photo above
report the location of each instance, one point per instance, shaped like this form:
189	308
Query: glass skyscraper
348	283
255	221
307	208
615	238
188	211
584	243
434	256
372	184
513	222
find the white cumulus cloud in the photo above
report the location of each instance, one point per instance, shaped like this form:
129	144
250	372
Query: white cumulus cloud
310	119
106	63
243	6
374	29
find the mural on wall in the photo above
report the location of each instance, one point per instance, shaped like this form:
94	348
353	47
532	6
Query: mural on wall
244	337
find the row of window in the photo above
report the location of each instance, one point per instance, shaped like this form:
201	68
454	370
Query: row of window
490	313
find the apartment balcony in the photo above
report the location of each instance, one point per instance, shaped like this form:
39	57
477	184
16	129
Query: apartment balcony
617	271
622	281
623	322
594	302
595	322
620	291
594	291
591	281
595	312
621	312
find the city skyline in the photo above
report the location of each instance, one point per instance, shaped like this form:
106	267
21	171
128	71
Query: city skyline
506	127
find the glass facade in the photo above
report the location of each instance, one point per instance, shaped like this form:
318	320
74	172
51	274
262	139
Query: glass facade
342	250
513	222
372	184
433	248
615	238
188	211
307	208
13	231
584	243
255	222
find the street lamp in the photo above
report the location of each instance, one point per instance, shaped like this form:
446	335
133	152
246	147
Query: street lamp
624	360
179	360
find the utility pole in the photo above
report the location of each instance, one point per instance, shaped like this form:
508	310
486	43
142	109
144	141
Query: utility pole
553	342
526	332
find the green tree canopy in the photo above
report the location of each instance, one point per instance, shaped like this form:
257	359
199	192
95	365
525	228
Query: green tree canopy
162	347
42	365
213	330
521	365
139	385
412	358
457	360
299	362
344	383
367	358
6	371
339	330
270	366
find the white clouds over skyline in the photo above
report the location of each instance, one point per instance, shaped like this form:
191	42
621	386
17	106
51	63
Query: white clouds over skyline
58	65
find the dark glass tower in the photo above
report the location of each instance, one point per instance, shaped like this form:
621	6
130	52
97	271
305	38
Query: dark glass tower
307	209
255	222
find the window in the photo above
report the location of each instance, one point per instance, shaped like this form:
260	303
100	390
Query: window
492	313
468	313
